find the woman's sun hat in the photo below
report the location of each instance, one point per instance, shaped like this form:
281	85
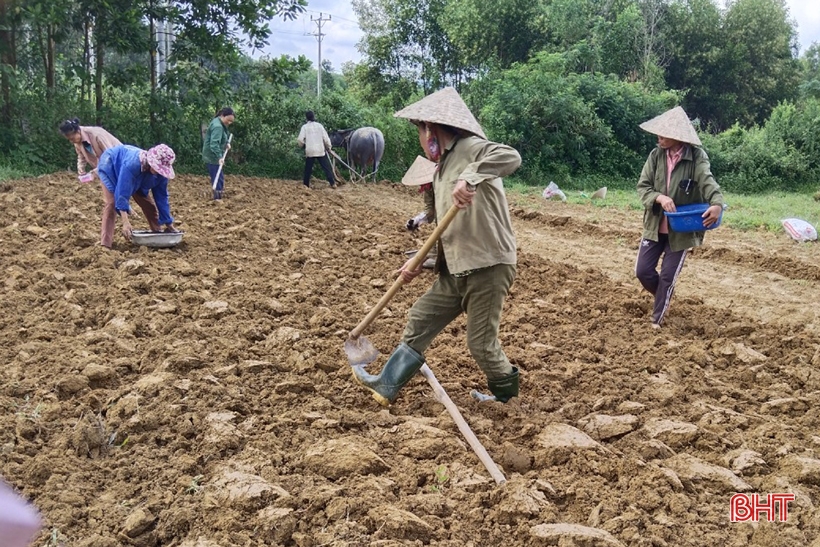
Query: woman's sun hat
421	172
443	107
673	124
161	159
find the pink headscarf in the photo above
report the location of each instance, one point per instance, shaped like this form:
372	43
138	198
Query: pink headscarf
161	159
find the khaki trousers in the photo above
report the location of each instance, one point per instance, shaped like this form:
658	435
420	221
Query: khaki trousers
481	296
109	215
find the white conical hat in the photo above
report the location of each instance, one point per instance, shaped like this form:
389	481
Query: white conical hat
444	107
673	124
421	172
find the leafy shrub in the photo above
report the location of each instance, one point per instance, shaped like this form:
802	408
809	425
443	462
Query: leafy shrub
566	124
781	155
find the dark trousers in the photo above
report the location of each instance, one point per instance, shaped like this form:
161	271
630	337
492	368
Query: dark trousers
325	163
212	169
662	284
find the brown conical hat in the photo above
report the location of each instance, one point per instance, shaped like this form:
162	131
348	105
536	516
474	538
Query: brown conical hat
673	124
444	107
421	172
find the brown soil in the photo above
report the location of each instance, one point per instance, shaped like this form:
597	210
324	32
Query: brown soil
200	396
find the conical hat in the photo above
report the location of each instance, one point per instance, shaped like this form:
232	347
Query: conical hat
673	124
444	107
421	172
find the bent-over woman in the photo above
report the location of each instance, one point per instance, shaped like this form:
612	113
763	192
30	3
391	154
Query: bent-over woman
127	171
89	141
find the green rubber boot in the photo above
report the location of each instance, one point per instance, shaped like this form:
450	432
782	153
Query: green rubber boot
402	365
505	388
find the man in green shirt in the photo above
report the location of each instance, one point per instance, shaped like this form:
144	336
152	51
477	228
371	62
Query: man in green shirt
214	146
476	254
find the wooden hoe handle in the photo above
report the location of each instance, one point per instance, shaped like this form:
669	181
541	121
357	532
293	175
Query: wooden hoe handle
442	397
221	165
415	262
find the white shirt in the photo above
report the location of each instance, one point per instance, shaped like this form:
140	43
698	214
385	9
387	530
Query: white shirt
315	140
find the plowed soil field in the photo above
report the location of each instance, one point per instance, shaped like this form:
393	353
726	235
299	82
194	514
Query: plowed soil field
200	396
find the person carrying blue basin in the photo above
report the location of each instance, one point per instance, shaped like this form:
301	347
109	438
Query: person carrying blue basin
677	173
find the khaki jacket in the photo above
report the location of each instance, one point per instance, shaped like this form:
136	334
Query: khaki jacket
100	141
480	235
694	164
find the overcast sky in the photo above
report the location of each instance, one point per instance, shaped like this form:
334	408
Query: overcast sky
296	38
342	31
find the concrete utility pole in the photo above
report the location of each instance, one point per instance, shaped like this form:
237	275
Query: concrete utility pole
319	22
163	36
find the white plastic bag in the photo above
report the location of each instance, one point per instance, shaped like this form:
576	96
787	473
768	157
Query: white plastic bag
799	230
552	191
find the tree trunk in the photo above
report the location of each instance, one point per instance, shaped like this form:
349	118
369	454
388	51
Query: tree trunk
7	58
50	63
85	84
45	39
41	45
98	79
152	62
152	52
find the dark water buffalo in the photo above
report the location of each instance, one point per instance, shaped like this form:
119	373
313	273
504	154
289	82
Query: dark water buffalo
365	147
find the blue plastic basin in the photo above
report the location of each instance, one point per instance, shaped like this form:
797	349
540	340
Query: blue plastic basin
689	218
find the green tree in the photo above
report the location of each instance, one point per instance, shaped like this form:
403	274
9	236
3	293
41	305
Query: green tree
568	22
565	123
759	65
810	64
619	37
482	31
9	23
404	43
693	34
217	29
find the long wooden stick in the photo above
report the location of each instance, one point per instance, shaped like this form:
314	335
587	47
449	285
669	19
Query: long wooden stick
352	171
475	444
415	262
222	163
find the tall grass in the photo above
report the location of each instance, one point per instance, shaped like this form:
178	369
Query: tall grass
11	173
745	212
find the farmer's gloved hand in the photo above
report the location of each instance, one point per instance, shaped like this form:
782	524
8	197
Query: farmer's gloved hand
414	223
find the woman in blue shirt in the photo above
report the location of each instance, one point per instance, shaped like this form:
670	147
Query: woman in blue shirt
127	171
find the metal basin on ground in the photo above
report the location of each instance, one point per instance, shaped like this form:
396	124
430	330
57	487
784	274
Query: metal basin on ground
160	240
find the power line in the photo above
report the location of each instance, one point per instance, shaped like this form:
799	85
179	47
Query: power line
290	32
336	16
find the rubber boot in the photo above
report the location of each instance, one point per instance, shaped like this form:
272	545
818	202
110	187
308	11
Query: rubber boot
402	365
505	388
